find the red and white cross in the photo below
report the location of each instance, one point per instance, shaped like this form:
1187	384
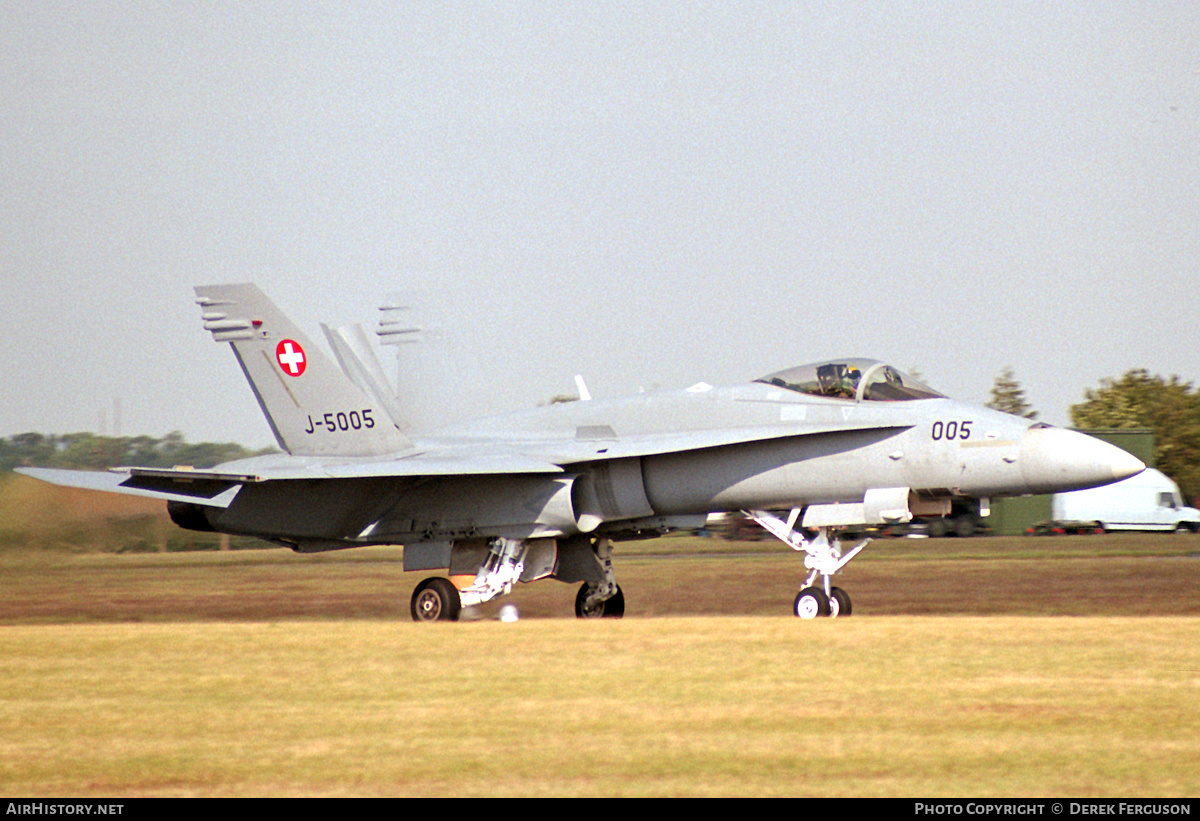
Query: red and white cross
291	357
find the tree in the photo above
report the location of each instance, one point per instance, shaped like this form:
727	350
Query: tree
1009	396
1168	407
89	451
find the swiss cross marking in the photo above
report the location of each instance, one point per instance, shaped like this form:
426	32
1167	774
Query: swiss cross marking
291	357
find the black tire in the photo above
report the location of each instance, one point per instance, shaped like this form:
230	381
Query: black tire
436	599
811	603
614	608
937	528
839	602
964	526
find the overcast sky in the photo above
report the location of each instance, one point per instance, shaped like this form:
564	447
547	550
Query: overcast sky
650	194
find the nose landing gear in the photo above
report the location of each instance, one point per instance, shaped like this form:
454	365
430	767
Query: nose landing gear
822	556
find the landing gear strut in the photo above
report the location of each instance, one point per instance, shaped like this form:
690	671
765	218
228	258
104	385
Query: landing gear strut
822	556
437	599
500	571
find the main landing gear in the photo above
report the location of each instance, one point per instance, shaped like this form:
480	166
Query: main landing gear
822	557
437	599
604	600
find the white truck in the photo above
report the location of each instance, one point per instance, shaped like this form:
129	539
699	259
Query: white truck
1148	501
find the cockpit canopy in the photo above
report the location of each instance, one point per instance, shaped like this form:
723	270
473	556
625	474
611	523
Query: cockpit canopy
858	379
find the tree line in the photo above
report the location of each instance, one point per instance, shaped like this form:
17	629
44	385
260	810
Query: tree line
88	451
1168	407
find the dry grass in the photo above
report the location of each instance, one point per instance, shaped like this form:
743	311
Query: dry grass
36	516
1006	706
1150	575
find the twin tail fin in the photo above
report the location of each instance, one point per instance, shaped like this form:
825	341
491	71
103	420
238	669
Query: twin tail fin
314	407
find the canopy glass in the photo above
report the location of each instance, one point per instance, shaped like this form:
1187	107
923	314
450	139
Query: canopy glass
856	379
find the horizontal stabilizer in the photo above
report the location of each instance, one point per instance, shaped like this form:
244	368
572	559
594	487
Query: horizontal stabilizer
213	490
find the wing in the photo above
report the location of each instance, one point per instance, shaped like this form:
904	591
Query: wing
601	443
220	486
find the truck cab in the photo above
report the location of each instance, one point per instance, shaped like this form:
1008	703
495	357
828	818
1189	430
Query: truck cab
1147	501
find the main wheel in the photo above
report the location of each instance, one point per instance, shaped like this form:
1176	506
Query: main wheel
436	599
839	602
811	602
614	608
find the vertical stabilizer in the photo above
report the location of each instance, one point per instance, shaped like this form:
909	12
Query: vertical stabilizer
439	380
312	406
357	358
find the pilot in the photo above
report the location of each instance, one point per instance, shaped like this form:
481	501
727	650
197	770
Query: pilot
849	384
839	380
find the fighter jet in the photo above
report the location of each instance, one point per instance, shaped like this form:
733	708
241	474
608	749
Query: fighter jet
544	493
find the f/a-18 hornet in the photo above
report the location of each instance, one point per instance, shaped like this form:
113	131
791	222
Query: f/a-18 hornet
544	493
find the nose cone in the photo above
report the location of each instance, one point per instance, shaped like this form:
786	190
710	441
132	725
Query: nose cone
1054	460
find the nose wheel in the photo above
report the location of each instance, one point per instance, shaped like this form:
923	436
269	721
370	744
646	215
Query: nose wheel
839	602
813	602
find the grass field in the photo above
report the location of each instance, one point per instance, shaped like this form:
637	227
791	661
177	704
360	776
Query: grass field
266	673
871	706
1130	575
